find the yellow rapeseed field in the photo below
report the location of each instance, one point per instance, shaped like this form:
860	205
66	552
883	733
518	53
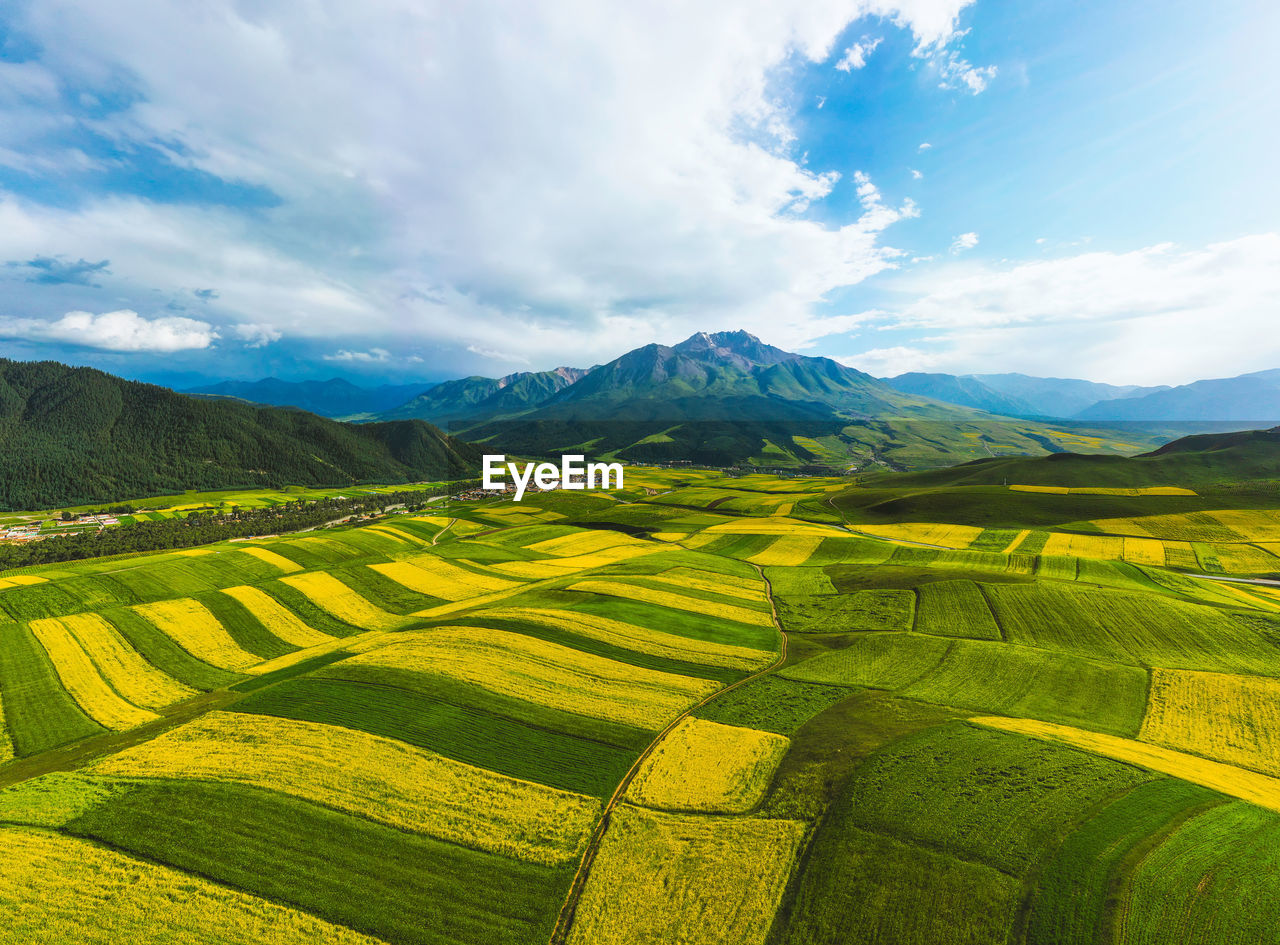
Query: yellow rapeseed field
124	669
1105	490
928	533
1051	490
641	639
1085	546
1146	551
1235	719
545	673
724	584
1241	559
278	619
784	509
701	539
1017	540
379	778
57	889
270	557
198	632
194	552
678	879
1251	524
1228	779
21	580
327	592
583	542
788	550
675	601
393	533
772	526
428	574
707	767
83	681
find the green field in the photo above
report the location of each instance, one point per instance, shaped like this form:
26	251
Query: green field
701	711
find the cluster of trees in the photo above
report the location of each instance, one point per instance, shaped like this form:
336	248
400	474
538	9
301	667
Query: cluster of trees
202	528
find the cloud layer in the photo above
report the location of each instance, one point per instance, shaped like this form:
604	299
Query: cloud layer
124	330
578	174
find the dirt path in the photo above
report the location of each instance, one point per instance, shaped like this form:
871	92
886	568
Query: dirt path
560	933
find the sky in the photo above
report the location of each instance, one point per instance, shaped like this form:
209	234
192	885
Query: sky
407	191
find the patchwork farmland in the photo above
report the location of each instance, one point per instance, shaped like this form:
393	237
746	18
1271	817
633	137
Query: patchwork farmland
703	710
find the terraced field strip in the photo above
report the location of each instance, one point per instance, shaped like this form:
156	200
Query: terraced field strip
71	879
437	577
379	778
788	550
192	627
1227	779
707	767
926	533
694	605
1233	719
565	920
330	594
83	681
278	619
270	557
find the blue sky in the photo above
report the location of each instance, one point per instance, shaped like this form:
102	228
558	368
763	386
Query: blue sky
244	189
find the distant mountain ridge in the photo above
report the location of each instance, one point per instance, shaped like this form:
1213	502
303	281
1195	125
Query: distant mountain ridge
1249	398
1016	395
475	396
77	435
333	398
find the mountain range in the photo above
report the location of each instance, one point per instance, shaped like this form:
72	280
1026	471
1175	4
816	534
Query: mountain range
1017	395
336	398
76	435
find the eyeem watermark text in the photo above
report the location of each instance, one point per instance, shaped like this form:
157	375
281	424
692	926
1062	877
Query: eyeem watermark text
574	472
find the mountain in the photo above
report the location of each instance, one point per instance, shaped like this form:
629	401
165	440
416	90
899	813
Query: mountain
76	435
332	398
1252	398
967	391
727	398
472	397
1058	396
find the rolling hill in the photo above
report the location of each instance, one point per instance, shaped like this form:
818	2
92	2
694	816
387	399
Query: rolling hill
335	398
76	435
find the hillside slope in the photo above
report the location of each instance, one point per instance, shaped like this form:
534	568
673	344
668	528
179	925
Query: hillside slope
1248	398
76	435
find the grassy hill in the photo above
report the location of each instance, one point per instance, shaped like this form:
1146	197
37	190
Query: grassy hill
77	435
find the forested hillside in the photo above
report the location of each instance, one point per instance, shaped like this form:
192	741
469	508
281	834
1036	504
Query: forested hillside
74	435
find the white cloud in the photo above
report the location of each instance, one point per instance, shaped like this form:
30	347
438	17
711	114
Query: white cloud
1160	315
954	72
890	362
256	336
372	356
124	330
855	57
924	146
438	169
493	355
915	175
964	241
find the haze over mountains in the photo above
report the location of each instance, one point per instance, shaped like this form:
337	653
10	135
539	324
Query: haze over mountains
336	397
1017	395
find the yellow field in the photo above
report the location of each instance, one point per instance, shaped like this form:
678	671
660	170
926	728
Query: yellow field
691	880
198	632
1235	719
278	619
428	574
669	536
379	778
1228	779
60	889
546	673
394	534
83	681
1085	546
20	580
927	533
1251	524
562	567
270	557
701	539
194	552
788	550
1145	551
772	526
784	509
724	584
327	592
709	768
1241	559
675	601
583	542
1101	490
629	636
121	665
